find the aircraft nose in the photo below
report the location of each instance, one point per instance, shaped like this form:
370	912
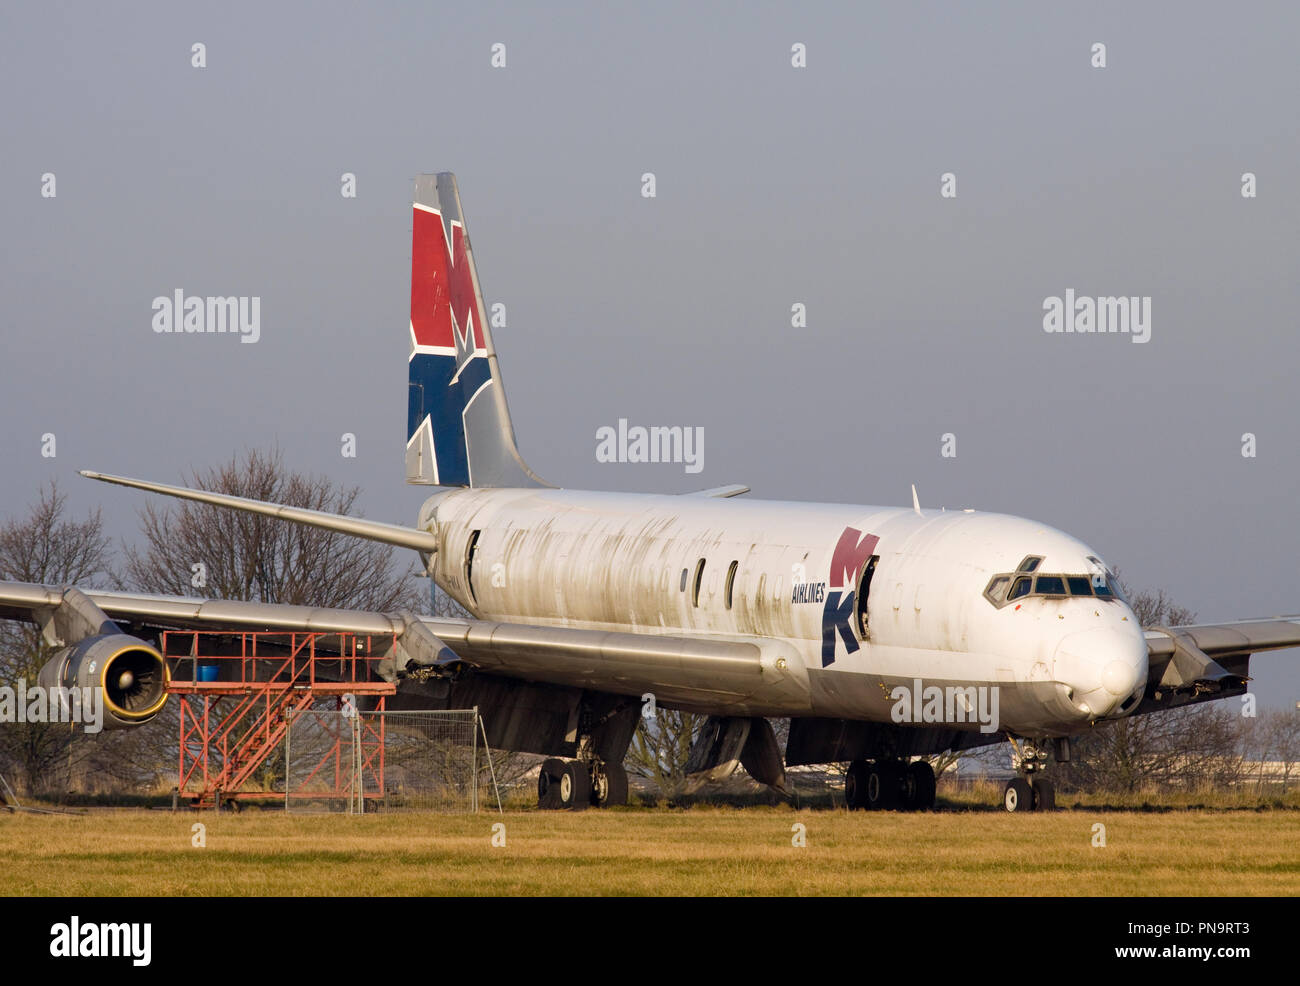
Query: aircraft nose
1104	668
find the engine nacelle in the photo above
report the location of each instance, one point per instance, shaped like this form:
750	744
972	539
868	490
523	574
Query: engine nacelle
130	676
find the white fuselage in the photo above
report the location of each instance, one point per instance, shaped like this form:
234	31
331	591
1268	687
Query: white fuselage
794	575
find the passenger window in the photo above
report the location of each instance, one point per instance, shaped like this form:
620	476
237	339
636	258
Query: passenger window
699	578
1079	585
682	588
1020	588
731	581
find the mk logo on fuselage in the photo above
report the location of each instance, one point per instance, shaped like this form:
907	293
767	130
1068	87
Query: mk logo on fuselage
851	553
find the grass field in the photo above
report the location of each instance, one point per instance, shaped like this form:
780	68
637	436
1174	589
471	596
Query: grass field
655	851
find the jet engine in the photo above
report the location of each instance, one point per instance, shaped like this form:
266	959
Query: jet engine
130	674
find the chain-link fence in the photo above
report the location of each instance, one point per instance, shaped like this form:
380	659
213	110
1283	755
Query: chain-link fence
358	761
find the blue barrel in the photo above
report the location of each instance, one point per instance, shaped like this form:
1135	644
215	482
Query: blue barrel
207	672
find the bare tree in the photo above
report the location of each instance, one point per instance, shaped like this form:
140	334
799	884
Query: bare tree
661	747
46	547
1155	608
196	549
1278	741
1186	747
444	606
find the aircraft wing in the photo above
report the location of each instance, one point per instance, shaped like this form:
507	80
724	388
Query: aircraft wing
722	672
1211	657
1238	638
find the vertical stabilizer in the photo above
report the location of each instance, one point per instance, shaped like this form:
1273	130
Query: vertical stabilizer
458	430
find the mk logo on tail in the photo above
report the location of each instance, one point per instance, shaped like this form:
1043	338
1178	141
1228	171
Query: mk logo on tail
458	430
448	365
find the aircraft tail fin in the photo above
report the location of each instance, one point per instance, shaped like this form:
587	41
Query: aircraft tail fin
458	430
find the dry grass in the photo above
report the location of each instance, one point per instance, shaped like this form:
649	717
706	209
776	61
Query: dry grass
656	851
1245	797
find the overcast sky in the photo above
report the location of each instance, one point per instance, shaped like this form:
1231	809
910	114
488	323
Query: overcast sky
774	185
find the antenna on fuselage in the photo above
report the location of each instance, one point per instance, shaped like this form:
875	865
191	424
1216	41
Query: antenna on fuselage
916	503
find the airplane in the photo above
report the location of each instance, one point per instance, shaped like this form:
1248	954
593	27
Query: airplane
884	634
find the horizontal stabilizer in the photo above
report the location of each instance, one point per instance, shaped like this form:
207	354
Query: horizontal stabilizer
373	530
722	491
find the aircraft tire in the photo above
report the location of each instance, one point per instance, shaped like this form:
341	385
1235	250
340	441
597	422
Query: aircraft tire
548	783
573	793
611	788
855	785
884	783
920	787
1018	796
1044	795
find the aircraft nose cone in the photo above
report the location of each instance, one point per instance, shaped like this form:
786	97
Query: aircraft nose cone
1119	678
1104	668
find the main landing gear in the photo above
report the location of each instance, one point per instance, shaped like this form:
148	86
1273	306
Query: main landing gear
572	785
602	728
889	785
1031	791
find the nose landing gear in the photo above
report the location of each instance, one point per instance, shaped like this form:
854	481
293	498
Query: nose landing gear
1031	791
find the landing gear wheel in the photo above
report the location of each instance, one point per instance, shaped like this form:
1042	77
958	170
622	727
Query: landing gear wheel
918	794
1018	796
610	787
884	783
1044	794
574	787
548	783
855	785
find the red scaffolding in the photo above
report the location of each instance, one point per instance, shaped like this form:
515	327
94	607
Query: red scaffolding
271	676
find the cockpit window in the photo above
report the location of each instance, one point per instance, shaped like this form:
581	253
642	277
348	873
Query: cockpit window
997	589
1049	585
1005	587
1104	583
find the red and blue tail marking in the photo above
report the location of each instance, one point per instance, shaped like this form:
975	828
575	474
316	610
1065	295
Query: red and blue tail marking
458	427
